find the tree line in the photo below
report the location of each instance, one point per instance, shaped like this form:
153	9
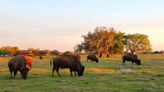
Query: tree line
107	41
11	51
8	50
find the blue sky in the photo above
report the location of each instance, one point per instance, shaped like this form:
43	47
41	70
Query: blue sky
59	24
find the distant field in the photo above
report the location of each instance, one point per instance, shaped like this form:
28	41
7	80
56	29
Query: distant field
104	76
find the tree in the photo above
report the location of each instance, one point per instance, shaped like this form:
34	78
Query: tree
107	41
78	48
100	41
118	46
9	50
137	43
90	42
33	51
68	53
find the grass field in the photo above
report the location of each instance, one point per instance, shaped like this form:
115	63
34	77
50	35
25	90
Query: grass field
104	76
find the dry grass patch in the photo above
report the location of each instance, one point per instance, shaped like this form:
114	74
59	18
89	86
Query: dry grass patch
3	69
101	70
38	70
151	56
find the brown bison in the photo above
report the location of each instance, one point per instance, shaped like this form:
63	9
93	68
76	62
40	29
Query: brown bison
92	58
18	63
67	61
131	57
40	57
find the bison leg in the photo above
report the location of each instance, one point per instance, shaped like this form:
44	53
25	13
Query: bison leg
71	72
75	73
123	62
53	71
132	62
71	69
57	70
11	74
15	73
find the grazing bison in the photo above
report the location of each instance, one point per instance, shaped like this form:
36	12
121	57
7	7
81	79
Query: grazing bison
20	63
131	57
92	58
40	57
67	61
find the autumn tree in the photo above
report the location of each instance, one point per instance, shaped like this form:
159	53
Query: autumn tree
105	40
100	41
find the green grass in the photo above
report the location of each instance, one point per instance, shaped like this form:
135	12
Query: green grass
98	77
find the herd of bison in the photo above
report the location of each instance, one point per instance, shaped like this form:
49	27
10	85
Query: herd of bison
18	63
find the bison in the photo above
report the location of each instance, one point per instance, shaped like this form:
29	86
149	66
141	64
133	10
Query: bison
40	57
18	63
67	61
92	58
131	57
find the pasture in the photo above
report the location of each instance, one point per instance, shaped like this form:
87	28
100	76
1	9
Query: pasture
109	75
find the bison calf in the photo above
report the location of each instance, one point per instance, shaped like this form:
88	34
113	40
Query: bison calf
67	61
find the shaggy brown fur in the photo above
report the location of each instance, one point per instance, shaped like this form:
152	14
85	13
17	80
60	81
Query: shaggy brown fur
68	61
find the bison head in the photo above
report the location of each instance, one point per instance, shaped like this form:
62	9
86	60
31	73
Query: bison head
97	60
138	62
80	70
24	72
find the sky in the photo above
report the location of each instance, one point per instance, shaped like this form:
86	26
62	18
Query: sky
60	24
